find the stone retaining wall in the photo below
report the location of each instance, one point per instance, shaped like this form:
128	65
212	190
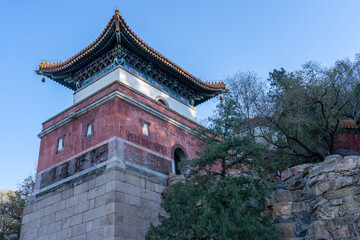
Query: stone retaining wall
318	201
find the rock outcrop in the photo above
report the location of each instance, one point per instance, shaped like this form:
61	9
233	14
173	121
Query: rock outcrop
319	201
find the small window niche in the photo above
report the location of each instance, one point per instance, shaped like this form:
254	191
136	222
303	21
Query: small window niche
162	101
145	129
89	129
60	144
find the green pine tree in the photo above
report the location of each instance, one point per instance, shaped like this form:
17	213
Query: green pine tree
215	202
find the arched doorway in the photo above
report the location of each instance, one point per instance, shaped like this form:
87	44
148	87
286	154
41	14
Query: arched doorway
179	154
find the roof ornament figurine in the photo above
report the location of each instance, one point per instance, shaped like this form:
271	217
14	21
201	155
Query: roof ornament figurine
119	46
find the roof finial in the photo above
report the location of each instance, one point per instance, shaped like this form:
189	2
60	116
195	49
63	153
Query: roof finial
117	11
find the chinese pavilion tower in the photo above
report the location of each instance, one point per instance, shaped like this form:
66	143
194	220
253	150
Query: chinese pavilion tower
105	160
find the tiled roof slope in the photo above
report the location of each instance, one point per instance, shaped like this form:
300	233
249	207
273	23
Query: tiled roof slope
348	124
117	31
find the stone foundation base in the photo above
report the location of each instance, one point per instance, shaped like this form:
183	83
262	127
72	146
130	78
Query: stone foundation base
109	202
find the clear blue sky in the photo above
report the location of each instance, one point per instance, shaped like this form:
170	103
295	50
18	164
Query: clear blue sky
210	39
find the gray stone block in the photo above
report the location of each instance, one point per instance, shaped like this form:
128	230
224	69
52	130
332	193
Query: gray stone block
82	207
80	237
44	221
55	236
95	235
101	180
78	189
68	212
78	230
109	231
56	207
119	197
154	205
29	209
72	201
29	235
67	193
88	185
89	226
128	188
54	227
93	193
110	186
100	222
65	223
45	237
92	204
83	197
29	226
50	200
145	203
132	200
109	206
135	180
149	185
104	199
150	195
43	231
94	213
66	233
76	219
125	231
124	210
159	188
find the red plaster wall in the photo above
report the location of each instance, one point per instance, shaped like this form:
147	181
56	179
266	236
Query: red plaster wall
74	141
347	141
127	90
116	118
163	134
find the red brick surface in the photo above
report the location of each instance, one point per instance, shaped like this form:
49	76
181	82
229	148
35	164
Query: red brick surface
347	141
116	118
